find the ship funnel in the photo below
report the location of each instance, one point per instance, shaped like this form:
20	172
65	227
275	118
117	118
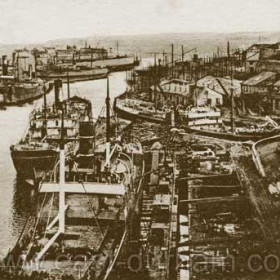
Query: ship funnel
57	86
4	65
14	58
30	71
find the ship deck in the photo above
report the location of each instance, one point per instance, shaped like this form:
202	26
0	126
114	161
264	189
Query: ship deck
86	206
75	252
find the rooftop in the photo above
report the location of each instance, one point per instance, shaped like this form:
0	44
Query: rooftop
220	85
263	76
277	84
177	86
253	56
265	46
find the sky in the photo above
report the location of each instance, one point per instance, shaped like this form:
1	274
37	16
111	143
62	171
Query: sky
37	21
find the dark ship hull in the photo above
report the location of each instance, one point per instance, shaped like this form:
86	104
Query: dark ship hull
22	93
31	164
232	136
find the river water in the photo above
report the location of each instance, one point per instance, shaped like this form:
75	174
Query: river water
15	198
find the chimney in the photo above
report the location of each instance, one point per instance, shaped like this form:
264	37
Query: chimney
195	57
4	65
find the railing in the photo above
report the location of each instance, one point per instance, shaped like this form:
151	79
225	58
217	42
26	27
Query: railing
204	122
256	156
202	114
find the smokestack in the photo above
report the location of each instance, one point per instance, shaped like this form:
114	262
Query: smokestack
57	86
4	65
30	71
228	49
14	58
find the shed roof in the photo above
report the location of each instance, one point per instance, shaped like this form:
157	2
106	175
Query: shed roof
263	76
221	85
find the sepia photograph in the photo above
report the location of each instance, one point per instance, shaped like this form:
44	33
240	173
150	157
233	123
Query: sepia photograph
139	140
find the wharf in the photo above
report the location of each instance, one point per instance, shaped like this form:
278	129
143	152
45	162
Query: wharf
216	217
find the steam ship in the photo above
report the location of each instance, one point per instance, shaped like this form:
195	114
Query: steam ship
87	205
80	64
73	73
37	151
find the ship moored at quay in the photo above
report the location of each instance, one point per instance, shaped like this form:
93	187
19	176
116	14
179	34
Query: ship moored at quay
88	202
37	151
200	120
78	64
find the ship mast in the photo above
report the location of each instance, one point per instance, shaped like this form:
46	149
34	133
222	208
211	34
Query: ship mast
62	176
68	85
172	61
232	106
231	92
45	112
108	124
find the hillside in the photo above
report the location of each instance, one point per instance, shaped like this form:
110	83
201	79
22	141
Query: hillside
206	43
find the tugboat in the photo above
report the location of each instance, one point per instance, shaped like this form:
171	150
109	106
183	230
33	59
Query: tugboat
37	151
85	214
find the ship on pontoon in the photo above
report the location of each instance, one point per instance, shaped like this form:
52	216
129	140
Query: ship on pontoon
201	120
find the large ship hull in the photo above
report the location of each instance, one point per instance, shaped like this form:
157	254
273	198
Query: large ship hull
31	164
113	64
74	76
233	137
246	136
112	246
